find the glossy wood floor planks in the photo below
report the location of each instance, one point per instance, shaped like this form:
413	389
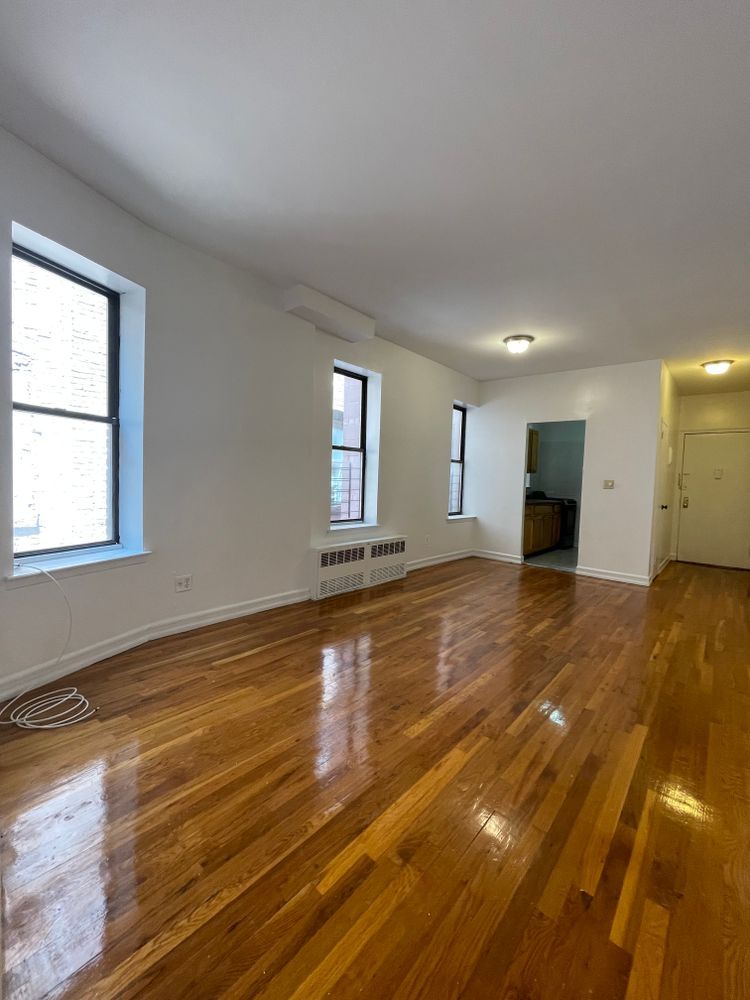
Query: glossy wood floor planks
482	782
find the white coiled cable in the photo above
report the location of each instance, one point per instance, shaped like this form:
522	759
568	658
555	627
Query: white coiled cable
40	711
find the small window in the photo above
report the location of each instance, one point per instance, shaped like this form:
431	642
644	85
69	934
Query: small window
348	444
458	442
65	364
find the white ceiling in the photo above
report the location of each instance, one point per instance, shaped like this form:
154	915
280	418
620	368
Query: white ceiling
575	169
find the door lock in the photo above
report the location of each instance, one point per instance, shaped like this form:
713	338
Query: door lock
665	506
686	501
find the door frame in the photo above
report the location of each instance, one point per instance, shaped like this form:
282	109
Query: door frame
527	426
678	480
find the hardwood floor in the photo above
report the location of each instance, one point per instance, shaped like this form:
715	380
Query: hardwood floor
482	782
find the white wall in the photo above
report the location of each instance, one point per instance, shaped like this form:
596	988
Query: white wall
715	411
236	440
620	404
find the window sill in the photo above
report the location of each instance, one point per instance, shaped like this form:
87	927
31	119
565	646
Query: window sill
353	526
461	517
72	564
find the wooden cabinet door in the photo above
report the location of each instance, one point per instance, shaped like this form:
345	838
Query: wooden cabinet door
541	527
528	534
532	451
538	534
556	527
548	527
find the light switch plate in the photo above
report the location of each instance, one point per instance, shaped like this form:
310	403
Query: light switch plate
608	484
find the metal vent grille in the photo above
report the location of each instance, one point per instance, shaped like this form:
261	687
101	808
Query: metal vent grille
341	583
340	556
381	549
384	573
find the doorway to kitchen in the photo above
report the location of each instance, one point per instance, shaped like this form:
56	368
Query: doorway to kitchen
552	509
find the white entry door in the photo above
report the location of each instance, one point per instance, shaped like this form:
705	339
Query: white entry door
715	500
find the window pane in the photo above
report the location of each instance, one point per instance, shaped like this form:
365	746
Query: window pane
454	491
62	471
346	486
458	419
60	341
347	410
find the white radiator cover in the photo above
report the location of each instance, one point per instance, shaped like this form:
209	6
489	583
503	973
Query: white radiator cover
353	565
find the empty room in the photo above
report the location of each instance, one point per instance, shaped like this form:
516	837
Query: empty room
375	500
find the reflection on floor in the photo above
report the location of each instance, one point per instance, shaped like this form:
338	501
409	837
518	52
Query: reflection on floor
473	783
564	559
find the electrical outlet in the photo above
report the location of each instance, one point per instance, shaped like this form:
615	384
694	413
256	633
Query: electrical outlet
183	583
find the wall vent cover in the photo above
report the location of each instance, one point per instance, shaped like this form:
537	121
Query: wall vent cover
382	574
340	584
340	568
380	549
338	557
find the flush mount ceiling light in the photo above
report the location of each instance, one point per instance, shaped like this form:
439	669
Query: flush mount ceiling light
518	344
717	367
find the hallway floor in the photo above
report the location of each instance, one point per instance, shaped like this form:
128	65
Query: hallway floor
564	559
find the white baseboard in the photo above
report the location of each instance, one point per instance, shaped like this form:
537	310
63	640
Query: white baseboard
43	673
599	574
608	574
662	565
505	557
442	558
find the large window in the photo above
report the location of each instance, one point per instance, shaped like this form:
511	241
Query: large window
65	408
348	443
458	442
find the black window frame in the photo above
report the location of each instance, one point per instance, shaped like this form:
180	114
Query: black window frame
459	461
362	449
113	397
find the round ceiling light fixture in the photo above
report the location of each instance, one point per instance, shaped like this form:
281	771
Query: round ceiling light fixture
518	343
717	367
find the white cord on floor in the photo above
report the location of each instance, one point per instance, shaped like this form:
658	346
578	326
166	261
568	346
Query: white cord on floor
35	712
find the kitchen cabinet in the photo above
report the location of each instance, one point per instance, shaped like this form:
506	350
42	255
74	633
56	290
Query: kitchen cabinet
532	451
541	527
